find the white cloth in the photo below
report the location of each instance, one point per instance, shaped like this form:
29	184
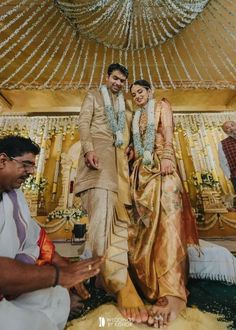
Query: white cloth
223	161
42	309
212	262
18	232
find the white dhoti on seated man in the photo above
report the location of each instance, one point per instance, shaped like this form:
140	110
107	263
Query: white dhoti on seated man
34	278
41	309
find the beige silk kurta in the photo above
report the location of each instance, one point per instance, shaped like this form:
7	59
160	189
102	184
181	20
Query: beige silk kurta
106	191
157	239
96	135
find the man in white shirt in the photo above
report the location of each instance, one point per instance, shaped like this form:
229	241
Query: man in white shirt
34	279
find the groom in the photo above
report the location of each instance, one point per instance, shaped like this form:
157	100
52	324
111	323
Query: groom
103	185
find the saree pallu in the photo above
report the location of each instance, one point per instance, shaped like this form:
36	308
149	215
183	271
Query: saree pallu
157	241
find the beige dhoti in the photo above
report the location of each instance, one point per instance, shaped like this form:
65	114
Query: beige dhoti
105	192
108	234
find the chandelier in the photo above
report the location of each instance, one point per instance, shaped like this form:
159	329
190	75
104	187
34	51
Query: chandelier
130	24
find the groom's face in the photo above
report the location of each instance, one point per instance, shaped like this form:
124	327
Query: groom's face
115	81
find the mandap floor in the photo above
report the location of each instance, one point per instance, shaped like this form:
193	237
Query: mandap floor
211	304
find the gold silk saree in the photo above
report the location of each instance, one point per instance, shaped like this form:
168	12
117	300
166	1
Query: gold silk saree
158	235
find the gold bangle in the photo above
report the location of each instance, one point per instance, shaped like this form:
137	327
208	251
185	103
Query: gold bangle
166	157
165	154
168	149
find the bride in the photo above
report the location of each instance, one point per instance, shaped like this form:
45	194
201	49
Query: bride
159	233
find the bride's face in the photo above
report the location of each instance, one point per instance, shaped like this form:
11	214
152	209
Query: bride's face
140	95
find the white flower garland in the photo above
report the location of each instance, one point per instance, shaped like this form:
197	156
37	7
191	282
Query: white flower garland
145	149
132	22
59	141
117	126
42	154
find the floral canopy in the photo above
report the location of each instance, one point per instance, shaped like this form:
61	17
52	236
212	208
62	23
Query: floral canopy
68	44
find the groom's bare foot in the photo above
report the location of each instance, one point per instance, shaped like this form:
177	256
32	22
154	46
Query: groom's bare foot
130	304
165	310
134	314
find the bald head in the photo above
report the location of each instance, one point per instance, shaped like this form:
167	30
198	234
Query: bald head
229	127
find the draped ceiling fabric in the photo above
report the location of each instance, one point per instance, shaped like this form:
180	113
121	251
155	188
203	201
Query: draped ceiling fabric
68	44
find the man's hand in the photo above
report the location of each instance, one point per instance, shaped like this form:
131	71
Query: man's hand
80	271
59	260
129	153
17	277
91	160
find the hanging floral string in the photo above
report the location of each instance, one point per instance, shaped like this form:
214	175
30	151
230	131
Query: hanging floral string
41	158
27	24
75	71
59	140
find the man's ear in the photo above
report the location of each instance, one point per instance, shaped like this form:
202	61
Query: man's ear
3	159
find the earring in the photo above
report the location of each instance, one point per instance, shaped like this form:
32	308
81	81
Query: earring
150	95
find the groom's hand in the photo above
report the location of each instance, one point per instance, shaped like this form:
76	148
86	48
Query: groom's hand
91	160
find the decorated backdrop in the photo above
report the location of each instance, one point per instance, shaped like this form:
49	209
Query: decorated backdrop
50	192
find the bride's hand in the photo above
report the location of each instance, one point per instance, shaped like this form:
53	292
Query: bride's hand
167	167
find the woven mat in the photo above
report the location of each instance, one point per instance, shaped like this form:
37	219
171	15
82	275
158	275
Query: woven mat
205	297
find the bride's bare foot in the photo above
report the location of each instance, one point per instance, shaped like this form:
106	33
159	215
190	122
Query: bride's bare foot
165	310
